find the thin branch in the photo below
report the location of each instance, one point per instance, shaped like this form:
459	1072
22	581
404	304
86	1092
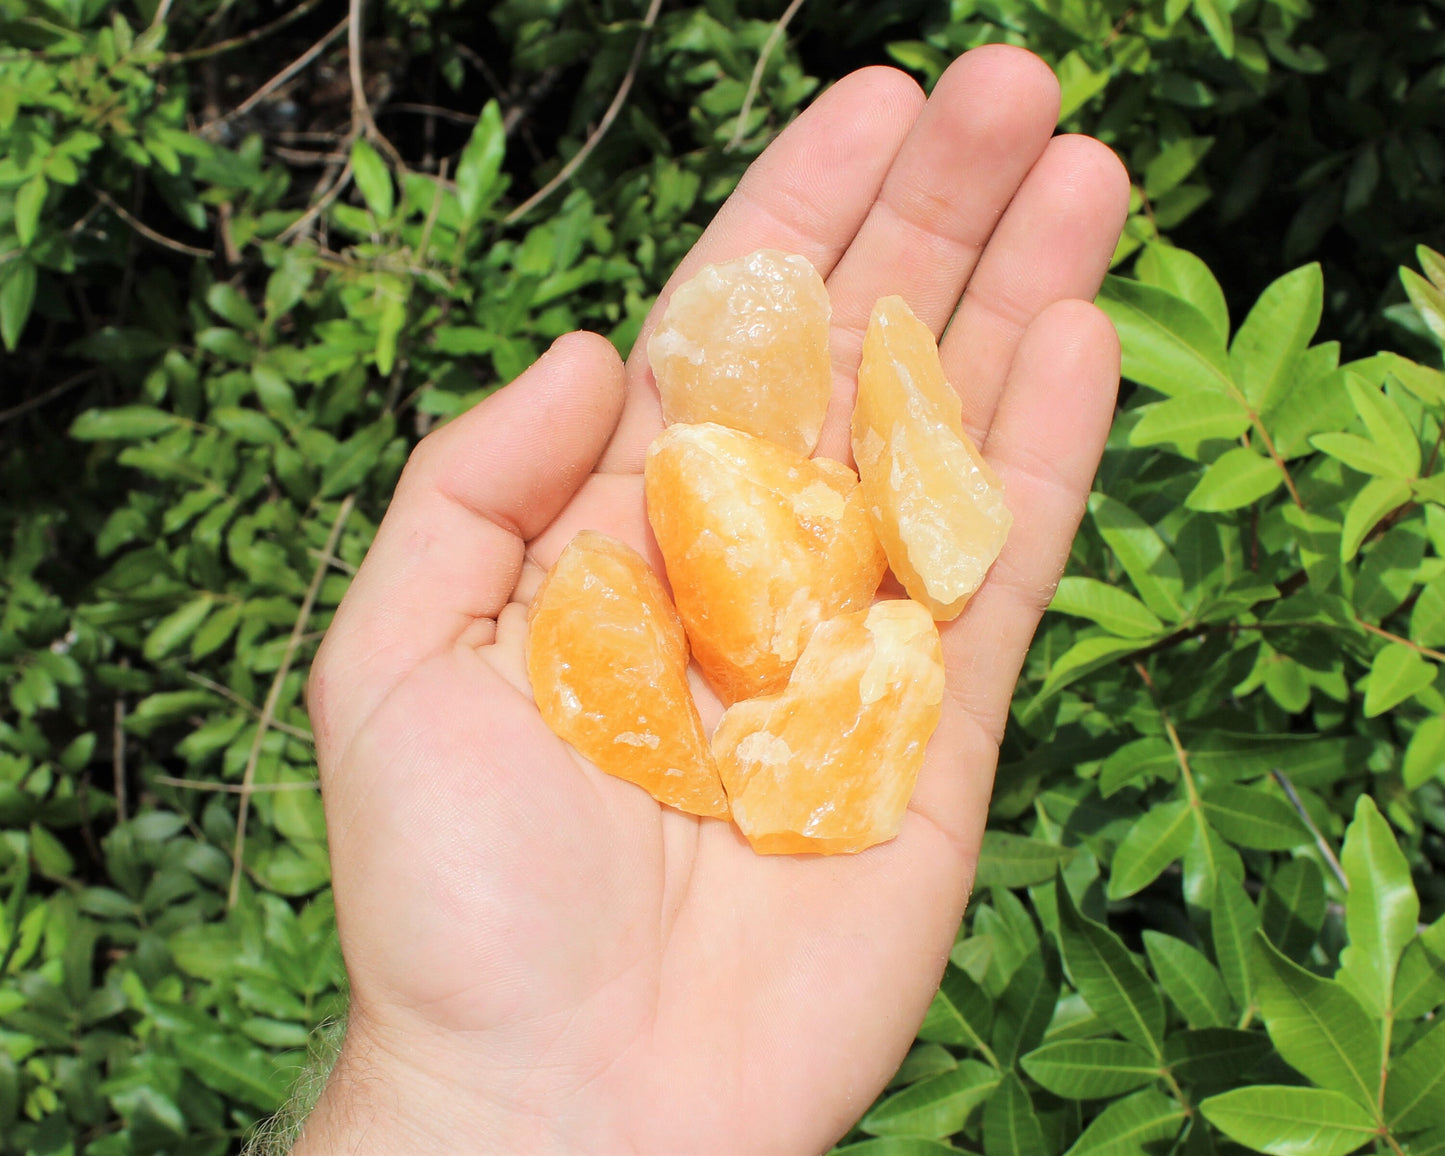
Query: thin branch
246	38
250	707
163	9
321	204
361	117
756	80
1437	655
273	696
145	230
466	119
279	79
1320	841
565	174
117	753
49	395
233	788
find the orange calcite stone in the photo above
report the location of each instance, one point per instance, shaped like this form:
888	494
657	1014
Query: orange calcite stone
829	764
937	505
607	658
745	344
761	545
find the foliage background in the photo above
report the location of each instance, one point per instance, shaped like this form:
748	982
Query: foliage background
228	306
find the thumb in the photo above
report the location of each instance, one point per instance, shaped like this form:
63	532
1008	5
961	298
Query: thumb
449	551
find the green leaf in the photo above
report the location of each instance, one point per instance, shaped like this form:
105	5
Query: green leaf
1091	1069
1420	981
1389	428
1429	300
480	166
1011	1125
1237	478
1129	1126
233	1068
354	458
1086	655
17	295
1425	756
1431	1143
373	179
123	423
1027	1004
1189	980
232	306
935	1107
29	201
896	1146
1288	1121
1214	1057
1233	921
1108	977
1117	611
1154	842
1175	162
1292	912
1381	907
1007	860
1147	756
1181	273
1168	344
1373	501
1415	1089
1250	818
961	1013
1217	22
1427	620
1140	550
1274	335
1317	1025
175	628
1396	673
1188	421
1359	454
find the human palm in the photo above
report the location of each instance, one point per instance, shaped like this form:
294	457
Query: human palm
541	957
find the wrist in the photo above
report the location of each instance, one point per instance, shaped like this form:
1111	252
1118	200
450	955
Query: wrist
393	1091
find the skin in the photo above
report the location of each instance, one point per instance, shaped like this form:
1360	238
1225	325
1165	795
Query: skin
543	959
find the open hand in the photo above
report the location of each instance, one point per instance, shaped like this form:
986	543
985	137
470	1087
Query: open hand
542	958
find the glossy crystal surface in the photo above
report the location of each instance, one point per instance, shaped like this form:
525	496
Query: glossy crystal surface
607	659
745	344
937	505
828	765
761	545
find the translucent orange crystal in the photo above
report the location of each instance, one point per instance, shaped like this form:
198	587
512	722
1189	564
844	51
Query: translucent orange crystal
937	505
761	545
745	344
829	764
607	658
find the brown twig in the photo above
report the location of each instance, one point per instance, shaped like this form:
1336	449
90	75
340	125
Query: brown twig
1320	841
361	116
233	788
117	753
756	80
321	203
279	79
250	707
145	230
49	395
1437	655
465	119
273	696
581	155
245	38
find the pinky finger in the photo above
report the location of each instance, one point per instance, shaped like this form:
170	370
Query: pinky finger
1045	441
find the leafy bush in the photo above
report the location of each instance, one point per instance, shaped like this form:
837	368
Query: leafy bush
197	451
